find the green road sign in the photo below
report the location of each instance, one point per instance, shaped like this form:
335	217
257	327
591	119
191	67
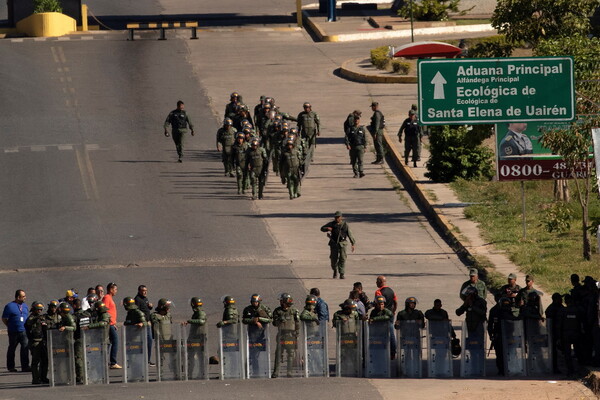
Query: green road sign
489	90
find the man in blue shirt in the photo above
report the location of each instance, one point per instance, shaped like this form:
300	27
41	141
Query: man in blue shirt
322	309
14	316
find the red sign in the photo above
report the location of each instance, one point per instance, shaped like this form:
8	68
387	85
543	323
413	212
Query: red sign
538	169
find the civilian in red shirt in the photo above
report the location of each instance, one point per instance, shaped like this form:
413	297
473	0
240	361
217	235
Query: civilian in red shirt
391	303
111	289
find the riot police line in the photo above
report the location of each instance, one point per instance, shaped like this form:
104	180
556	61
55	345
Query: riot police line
362	349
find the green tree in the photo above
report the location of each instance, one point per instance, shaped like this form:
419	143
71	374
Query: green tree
429	10
536	20
574	144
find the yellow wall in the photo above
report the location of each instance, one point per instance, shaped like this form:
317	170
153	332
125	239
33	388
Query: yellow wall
47	24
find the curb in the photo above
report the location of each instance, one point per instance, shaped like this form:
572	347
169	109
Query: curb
320	34
347	73
440	221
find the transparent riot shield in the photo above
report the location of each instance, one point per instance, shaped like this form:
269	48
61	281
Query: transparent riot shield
168	355
135	350
439	354
472	362
95	355
409	349
258	350
287	354
349	348
539	347
377	339
231	352
61	357
194	352
513	345
314	342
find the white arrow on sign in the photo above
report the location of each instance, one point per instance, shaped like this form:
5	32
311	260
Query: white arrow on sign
438	82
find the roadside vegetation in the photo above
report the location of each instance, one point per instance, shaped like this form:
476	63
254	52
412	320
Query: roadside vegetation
552	249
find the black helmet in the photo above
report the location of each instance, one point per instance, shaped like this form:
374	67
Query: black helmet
64	307
37	306
128	301
311	299
289	142
240	135
53	304
101	307
227	121
286	298
410	300
196	302
349	304
254	142
255	298
234	95
306	105
164	304
92	298
228	300
293	131
380	300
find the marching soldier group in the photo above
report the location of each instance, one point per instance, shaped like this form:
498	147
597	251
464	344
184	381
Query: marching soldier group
248	145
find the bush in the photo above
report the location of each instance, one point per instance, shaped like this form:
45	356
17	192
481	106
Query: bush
380	57
558	218
454	154
42	6
400	67
491	47
429	10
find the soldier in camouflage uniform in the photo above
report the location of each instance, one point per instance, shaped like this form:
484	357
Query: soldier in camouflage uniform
179	121
289	166
242	118
231	108
348	324
238	156
52	317
35	326
197	331
309	126
309	313
256	316
287	319
82	317
67	322
162	320
230	312
257	165
356	141
134	316
258	110
410	313
376	129
226	138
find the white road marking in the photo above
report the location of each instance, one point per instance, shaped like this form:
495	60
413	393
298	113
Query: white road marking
15	150
16	40
38	148
65	147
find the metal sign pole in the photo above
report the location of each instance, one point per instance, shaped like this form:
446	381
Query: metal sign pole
523	201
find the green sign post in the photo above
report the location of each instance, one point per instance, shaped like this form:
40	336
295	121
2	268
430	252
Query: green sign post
490	90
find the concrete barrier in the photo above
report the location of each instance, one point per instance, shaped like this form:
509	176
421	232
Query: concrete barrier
47	25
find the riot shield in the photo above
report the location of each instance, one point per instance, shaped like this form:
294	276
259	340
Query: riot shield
231	352
472	362
135	350
95	355
409	346
61	357
168	355
439	355
195	354
287	353
539	347
348	348
258	349
314	343
377	339
513	345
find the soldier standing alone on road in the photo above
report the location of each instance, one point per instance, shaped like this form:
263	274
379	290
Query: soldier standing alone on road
413	136
376	129
179	121
355	142
338	232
